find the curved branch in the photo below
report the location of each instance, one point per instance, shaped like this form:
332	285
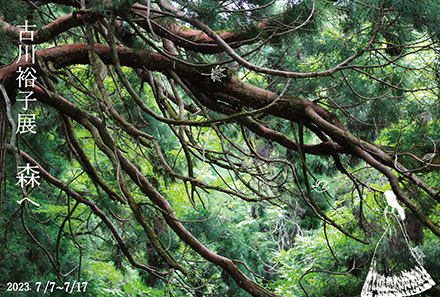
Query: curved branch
360	151
230	51
51	30
93	207
146	187
196	40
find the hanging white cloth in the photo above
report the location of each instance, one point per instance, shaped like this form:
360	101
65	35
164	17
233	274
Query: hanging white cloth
406	283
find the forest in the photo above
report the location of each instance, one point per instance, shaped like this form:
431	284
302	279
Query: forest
233	148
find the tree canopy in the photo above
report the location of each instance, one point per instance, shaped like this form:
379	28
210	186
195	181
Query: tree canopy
215	147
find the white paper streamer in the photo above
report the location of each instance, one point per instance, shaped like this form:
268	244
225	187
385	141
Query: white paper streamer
406	283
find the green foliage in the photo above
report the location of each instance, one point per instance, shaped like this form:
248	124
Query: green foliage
242	232
390	97
326	263
14	11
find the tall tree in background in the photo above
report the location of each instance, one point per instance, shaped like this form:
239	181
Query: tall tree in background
146	106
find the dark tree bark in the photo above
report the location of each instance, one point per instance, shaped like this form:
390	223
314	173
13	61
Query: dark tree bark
161	39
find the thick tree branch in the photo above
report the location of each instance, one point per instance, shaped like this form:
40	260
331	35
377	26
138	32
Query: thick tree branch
49	31
94	208
196	40
108	146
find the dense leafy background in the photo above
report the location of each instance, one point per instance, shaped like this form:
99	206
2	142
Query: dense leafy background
394	105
